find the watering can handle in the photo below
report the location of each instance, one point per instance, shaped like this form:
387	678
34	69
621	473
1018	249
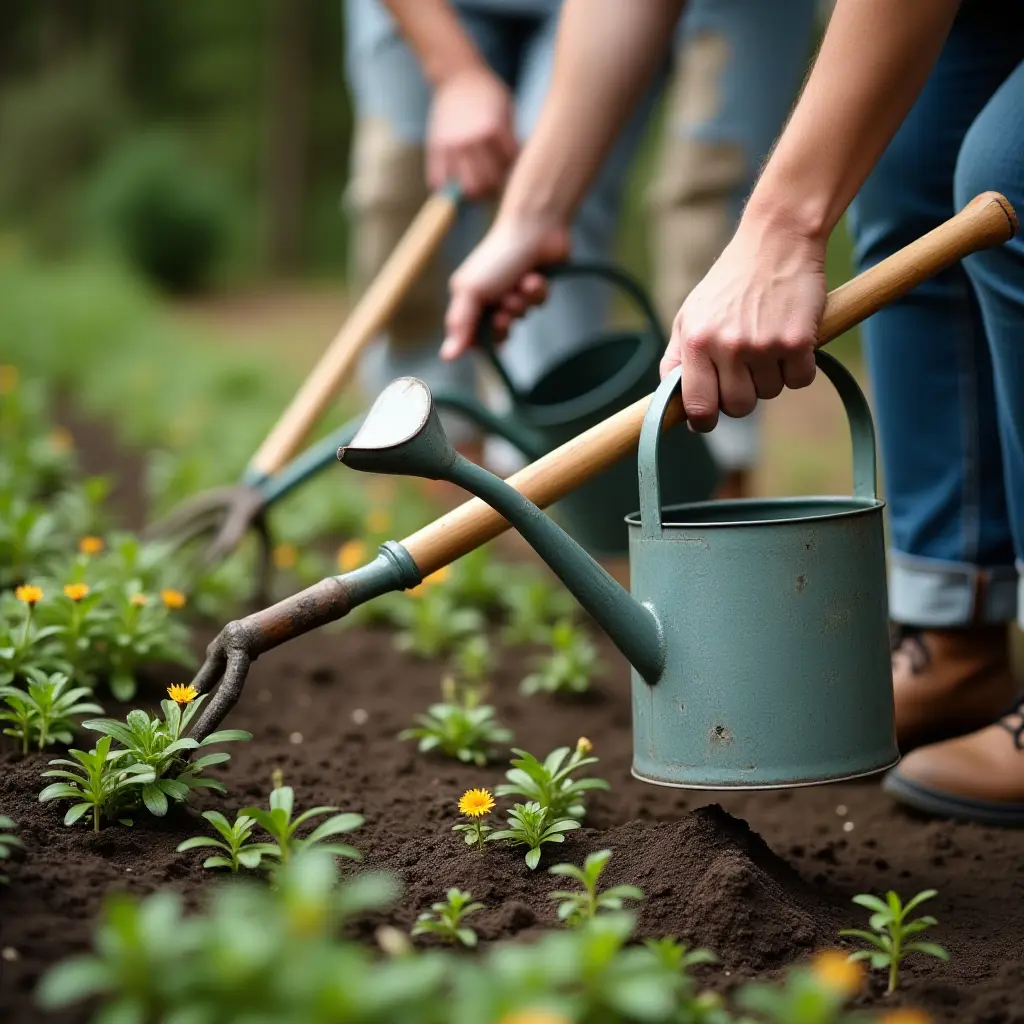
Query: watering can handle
986	221
614	275
367	319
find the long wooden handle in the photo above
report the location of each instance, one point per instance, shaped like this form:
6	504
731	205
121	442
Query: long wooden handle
370	316
986	221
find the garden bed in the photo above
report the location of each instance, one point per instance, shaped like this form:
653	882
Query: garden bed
326	710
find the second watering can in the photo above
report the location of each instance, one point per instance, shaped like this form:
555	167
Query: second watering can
757	630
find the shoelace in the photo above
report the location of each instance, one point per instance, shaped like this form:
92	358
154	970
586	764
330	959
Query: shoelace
907	640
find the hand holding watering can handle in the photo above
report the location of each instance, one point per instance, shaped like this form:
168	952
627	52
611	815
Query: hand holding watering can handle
583	268
986	221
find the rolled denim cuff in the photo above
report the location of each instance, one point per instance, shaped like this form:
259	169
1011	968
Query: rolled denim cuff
943	595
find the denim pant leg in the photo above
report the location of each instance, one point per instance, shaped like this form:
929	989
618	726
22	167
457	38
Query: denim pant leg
739	68
951	559
992	157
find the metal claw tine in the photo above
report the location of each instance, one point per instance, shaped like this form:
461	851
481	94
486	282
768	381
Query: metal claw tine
184	516
225	696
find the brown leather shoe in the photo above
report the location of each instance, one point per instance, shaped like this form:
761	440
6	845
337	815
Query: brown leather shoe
979	777
949	682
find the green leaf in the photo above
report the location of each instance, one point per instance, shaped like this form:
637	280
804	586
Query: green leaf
155	799
334	826
226	736
871	903
73	980
76	812
195	842
927	894
533	858
60	791
466	936
931	948
250	858
219	861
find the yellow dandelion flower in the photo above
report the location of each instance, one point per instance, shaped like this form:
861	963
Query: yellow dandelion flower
182	694
535	1017
836	971
583	745
285	556
76	591
475	803
378	520
61	440
172	598
351	555
908	1015
8	378
29	594
139	600
90	545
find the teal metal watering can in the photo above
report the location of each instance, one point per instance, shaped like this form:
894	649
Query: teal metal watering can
749	621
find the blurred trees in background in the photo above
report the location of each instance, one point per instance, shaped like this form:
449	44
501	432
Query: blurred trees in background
244	101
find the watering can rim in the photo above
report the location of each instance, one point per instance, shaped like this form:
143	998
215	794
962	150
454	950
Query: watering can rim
846	505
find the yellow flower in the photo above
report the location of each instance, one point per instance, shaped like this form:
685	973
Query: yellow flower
432	580
172	598
475	803
76	591
29	594
535	1017
90	545
836	971
61	440
8	378
182	694
139	600
378	520
908	1015
285	556
583	745
351	555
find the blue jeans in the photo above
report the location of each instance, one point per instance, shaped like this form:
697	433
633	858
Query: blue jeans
392	100
947	362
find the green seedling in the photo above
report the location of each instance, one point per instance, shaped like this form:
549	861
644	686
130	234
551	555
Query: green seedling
890	930
445	920
24	642
812	994
474	661
8	841
99	781
550	782
460	727
433	624
477	581
570	665
533	606
532	825
282	828
677	956
47	712
575	908
158	744
234	842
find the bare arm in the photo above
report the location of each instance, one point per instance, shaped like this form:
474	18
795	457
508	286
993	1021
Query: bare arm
433	30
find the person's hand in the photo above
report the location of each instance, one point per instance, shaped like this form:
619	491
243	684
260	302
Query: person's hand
501	272
470	134
749	328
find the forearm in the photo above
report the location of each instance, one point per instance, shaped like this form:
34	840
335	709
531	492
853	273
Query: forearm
607	52
873	63
432	28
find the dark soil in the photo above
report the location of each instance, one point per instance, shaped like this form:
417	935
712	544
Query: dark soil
326	709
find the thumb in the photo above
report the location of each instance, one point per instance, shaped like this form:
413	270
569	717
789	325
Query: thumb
460	323
671	359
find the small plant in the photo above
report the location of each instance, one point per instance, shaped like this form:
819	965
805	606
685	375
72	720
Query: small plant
433	623
577	907
8	841
570	665
446	919
890	930
97	782
550	782
533	606
460	727
46	713
474	661
158	744
278	822
234	842
532	825
676	956
475	804
815	994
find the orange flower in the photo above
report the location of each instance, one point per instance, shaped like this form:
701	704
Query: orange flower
30	594
836	971
475	803
351	555
139	600
908	1015
8	378
172	598
285	556
378	520
182	694
90	545
76	591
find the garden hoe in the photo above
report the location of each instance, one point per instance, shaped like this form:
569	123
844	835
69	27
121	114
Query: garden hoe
228	513
401	435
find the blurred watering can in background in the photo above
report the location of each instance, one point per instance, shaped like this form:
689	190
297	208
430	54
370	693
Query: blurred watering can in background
757	629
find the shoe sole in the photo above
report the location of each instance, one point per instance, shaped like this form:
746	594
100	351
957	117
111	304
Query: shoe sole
945	805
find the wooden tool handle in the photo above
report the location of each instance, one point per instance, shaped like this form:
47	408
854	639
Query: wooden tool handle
370	315
986	221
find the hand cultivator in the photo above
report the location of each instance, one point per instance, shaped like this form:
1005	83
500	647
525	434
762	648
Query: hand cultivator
805	578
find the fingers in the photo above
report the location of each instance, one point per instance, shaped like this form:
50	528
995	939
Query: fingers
460	322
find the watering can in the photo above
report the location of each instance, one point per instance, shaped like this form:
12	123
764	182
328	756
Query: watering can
747	620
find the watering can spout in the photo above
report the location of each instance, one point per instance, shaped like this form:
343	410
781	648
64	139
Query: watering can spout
402	435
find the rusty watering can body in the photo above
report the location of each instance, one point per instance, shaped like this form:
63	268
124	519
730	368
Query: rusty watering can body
757	630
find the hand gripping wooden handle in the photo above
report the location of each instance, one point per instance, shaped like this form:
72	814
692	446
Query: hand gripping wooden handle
370	316
987	221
